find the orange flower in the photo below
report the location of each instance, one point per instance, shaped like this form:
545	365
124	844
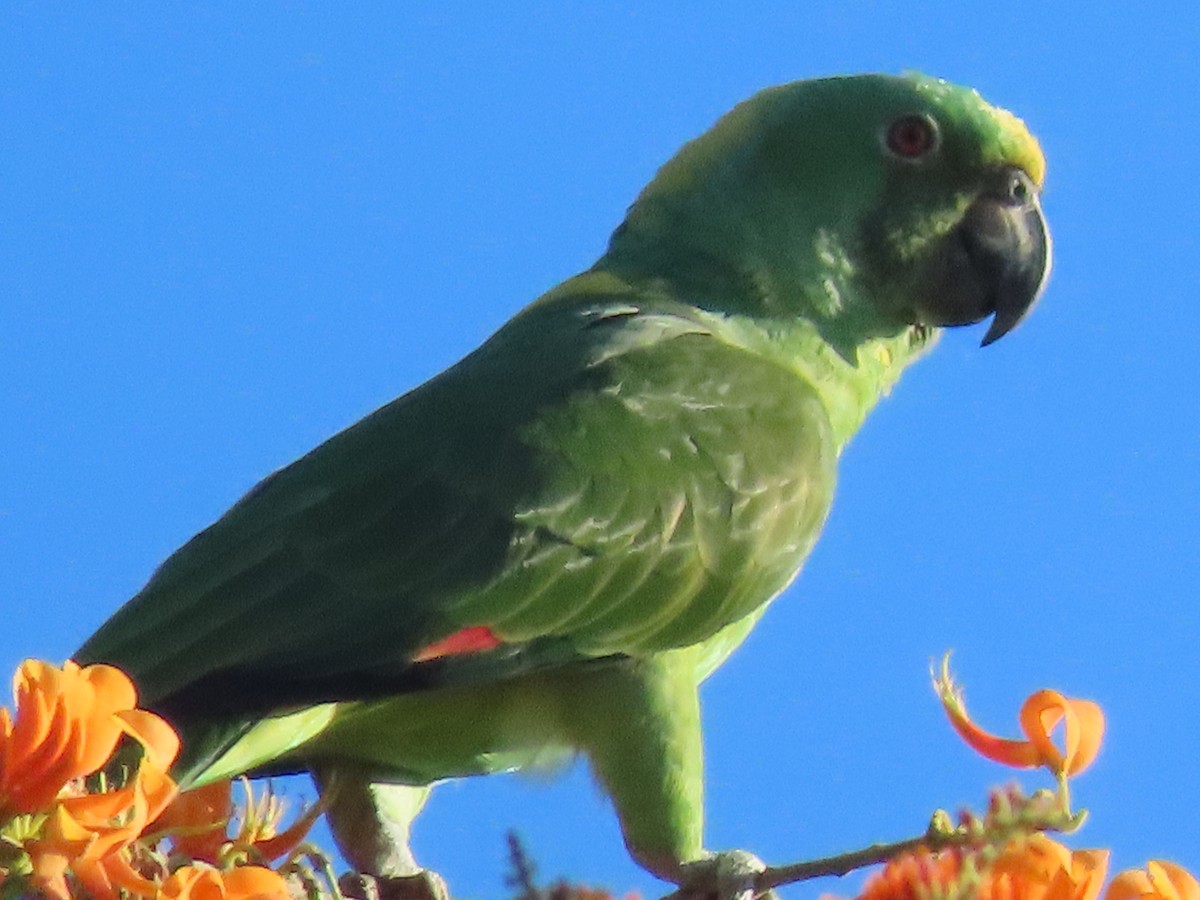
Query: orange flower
242	883
259	836
1083	728
1035	868
917	875
90	835
197	823
67	724
1160	880
1041	869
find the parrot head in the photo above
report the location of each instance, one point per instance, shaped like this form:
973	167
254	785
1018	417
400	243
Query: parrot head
877	203
960	228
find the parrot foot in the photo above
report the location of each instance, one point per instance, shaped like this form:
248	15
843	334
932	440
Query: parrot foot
371	823
730	875
425	885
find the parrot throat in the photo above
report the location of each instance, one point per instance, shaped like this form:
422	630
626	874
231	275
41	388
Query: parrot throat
849	385
806	311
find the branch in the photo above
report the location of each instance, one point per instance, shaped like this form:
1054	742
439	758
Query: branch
841	864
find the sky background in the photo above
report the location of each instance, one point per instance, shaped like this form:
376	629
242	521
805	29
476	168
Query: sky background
230	230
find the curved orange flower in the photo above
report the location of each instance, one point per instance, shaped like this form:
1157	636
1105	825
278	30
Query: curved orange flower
1160	880
67	725
242	883
1041	713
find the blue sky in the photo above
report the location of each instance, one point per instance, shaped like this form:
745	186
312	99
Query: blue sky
230	230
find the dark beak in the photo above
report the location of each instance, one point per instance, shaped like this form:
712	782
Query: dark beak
1007	244
994	262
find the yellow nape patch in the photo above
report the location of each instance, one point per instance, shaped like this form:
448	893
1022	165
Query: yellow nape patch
1011	140
1019	146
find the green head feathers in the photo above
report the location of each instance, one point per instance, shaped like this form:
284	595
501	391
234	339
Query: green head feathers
843	201
1004	138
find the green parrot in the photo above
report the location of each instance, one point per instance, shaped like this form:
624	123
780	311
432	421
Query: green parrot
549	546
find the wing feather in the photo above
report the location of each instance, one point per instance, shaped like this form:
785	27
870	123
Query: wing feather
605	478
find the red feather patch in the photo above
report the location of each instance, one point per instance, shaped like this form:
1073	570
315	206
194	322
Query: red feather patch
469	640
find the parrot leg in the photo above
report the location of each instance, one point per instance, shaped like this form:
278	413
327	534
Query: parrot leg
371	823
640	726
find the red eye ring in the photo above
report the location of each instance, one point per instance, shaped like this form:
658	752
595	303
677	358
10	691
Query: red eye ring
911	137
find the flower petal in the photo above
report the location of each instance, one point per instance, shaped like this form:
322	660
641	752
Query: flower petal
1041	868
1083	729
1160	880
288	840
107	876
197	821
94	694
185	881
1019	754
1082	879
159	739
242	883
40	734
1091	732
255	883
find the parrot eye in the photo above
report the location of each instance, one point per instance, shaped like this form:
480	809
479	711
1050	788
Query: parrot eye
911	137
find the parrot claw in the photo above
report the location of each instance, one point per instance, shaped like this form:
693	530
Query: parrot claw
731	875
425	885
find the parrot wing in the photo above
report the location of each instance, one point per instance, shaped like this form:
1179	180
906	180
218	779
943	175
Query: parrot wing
601	477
